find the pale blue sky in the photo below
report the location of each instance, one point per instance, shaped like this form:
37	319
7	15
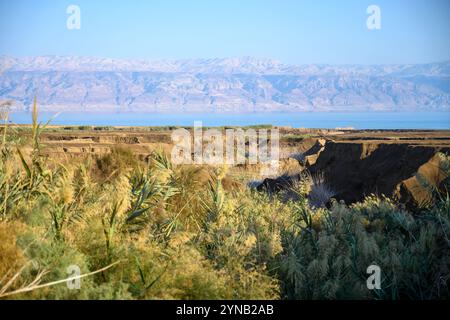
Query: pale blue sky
293	31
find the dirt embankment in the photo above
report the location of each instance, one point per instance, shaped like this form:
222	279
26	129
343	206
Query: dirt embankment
72	143
400	164
402	171
403	165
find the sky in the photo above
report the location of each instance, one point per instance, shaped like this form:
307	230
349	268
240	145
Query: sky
292	31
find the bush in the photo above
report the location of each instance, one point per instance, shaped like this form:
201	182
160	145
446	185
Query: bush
115	163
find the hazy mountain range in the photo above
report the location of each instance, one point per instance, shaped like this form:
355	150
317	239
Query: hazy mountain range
219	85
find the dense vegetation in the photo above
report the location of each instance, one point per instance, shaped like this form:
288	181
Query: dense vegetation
156	231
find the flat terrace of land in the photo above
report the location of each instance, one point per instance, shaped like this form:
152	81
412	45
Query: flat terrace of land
142	140
356	163
411	137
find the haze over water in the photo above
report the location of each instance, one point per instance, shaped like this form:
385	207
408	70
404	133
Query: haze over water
326	120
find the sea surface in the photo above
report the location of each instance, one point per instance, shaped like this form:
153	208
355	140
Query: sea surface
329	120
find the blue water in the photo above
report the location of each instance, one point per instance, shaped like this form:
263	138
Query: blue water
357	120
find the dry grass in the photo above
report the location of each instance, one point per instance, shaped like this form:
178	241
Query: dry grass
180	233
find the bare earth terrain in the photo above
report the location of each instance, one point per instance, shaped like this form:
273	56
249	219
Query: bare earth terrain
402	164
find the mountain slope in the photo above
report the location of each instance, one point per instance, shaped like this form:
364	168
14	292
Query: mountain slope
220	85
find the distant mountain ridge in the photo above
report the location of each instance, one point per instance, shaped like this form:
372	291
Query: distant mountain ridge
220	85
